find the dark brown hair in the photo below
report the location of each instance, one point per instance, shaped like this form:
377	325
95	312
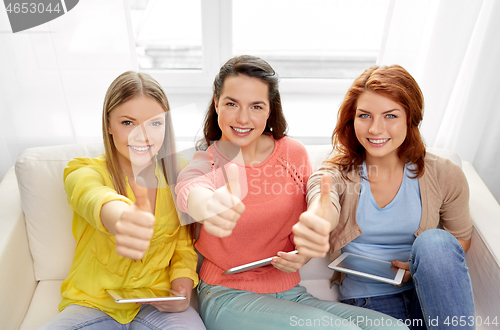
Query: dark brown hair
254	67
395	83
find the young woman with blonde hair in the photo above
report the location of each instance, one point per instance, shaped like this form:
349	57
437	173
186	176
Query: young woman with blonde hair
128	236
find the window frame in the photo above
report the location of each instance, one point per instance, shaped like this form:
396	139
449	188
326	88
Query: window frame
217	47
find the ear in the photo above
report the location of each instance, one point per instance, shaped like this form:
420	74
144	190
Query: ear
109	129
216	103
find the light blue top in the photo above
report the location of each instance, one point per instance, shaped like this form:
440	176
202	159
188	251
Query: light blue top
388	234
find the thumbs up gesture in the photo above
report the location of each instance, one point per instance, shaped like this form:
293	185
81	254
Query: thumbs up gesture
224	207
312	232
134	229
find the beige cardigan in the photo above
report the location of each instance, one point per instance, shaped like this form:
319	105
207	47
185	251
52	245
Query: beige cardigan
443	190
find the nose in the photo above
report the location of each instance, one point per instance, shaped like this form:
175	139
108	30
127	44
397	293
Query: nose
377	126
139	134
243	116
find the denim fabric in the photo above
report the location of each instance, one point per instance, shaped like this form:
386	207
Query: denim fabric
76	317
223	308
403	306
442	285
442	281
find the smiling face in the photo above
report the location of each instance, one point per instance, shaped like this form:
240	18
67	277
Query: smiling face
380	125
138	130
243	109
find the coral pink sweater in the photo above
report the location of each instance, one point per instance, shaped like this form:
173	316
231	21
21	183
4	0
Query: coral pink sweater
274	196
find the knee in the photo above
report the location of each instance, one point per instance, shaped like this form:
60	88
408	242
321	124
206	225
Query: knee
436	247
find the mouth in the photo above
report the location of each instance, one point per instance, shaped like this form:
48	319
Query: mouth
242	130
378	141
140	149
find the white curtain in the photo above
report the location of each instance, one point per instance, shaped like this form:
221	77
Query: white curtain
452	48
53	78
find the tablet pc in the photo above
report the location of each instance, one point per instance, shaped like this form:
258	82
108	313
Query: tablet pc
125	296
252	265
374	269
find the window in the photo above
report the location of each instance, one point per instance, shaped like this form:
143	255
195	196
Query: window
167	34
311	39
320	44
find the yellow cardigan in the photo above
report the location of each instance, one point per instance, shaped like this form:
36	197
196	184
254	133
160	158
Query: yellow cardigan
97	266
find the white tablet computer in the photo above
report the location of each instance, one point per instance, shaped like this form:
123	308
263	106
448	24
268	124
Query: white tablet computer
367	267
125	296
252	265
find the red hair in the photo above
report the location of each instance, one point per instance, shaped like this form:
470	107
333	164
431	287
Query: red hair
395	83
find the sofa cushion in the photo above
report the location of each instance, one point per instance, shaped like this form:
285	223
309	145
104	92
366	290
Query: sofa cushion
48	216
43	305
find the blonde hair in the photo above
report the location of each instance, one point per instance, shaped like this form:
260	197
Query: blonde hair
125	87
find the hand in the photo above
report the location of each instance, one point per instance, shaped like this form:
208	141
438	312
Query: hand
224	208
134	229
312	232
406	266
289	262
174	306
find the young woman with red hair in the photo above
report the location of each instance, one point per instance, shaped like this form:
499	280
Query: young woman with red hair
391	200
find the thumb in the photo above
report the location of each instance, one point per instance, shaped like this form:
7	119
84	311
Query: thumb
233	180
141	195
324	200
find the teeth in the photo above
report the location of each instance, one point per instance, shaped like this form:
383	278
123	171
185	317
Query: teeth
140	148
239	130
378	141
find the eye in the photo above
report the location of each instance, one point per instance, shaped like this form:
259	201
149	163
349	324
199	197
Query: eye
257	107
230	104
391	116
127	123
156	124
364	115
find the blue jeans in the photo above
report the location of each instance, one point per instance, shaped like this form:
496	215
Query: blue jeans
442	285
403	306
76	317
223	308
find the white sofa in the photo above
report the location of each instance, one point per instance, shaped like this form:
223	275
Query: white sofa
36	244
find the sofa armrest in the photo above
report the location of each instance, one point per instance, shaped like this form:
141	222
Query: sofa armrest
17	279
483	257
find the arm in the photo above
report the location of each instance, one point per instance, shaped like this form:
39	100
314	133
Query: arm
220	209
182	272
132	225
312	232
92	196
454	212
184	259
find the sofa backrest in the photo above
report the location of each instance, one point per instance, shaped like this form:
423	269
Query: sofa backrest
47	213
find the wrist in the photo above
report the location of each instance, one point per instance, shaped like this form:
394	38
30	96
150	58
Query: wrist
197	202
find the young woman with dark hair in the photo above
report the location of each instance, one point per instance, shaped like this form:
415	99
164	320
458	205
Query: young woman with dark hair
388	199
247	186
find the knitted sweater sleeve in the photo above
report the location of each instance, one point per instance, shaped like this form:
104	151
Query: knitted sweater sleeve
197	174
